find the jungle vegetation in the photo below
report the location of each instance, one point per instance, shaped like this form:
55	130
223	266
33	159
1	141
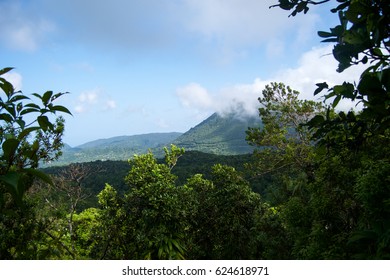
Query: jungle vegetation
323	174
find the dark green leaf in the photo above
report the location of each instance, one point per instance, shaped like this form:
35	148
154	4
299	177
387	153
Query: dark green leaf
44	123
336	101
316	121
7	87
37	95
16	98
61	109
29	110
324	34
5	70
27	131
39	175
370	84
11	181
9	147
6	117
377	52
320	87
32	105
46	97
335	40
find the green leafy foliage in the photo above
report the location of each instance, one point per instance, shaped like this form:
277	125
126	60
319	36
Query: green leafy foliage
158	219
21	155
345	222
334	206
225	216
284	143
362	37
27	137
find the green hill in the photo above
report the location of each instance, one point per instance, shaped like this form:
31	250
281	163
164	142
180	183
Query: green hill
221	135
116	148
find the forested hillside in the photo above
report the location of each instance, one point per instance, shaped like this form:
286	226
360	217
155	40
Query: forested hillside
316	186
115	148
221	135
99	173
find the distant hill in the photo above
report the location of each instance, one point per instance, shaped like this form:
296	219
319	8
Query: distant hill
221	135
116	148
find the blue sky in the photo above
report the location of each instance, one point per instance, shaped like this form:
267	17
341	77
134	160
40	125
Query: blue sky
135	67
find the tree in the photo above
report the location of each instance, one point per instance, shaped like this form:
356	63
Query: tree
27	137
362	37
343	211
225	216
153	214
285	146
21	151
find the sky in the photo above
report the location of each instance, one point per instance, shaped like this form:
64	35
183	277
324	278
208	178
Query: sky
134	67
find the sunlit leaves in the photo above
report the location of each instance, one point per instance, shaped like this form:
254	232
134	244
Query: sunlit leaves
20	123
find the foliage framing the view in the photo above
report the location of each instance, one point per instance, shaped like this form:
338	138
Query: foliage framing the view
320	201
361	37
21	149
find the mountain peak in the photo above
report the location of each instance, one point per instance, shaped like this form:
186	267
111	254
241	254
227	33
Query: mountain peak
219	134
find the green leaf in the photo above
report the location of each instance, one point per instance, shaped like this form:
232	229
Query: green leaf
60	108
316	121
44	122
12	181
336	101
27	131
32	105
5	70
37	95
324	34
9	148
39	175
28	111
7	87
6	117
46	97
320	87
331	40
377	52
18	97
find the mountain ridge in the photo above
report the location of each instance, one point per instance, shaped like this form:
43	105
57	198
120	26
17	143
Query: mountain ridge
217	134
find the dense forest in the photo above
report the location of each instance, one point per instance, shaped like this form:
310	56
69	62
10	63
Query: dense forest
317	185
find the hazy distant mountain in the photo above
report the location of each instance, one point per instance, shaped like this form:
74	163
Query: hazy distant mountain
116	148
222	135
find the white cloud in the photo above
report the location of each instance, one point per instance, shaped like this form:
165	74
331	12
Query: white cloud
87	100
314	66
20	29
95	99
89	97
236	25
223	28
79	109
234	21
15	79
110	104
194	95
